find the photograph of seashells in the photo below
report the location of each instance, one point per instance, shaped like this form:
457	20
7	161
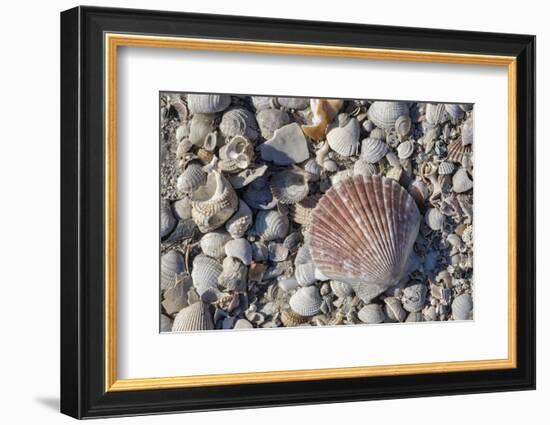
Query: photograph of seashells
284	212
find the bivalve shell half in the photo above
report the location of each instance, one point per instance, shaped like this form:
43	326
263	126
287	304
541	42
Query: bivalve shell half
446	168
201	126
271	225
236	155
263	102
301	212
277	252
384	114
462	307
192	177
394	309
313	169
468	132
234	275
461	181
207	103
456	151
341	289
405	149
371	314
306	301
414	297
171	264
343	135
239	222
436	113
240	249
205	273
305	274
212	243
167	219
434	219
289	186
364	168
403	126
239	122
373	150
454	110
196	317
363	231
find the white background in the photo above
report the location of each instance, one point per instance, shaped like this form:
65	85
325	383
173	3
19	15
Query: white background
143	72
29	225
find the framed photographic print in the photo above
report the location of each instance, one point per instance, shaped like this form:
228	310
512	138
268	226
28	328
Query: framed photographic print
261	212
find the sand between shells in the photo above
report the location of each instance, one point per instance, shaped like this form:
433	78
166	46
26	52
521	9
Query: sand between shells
284	212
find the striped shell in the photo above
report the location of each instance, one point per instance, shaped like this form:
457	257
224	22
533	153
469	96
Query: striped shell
363	231
270	120
454	110
456	151
289	186
240	249
324	111
364	168
212	243
213	203
341	289
434	219
201	126
293	102
171	264
306	301
192	177
239	122
236	155
305	274
205	274
207	103
167	219
436	113
468	132
384	114
405	149
196	317
371	314
445	168
301	212
271	225
239	222
462	307
343	135
373	150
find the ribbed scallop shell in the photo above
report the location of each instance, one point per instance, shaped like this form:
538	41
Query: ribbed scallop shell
236	155
196	317
207	103
454	110
305	274
293	102
456	151
363	231
434	219
384	114
436	113
445	168
205	273
171	264
167	219
270	120
289	186
213	203
343	135
373	150
212	243
239	222
240	249
306	301
192	177
371	314
405	149
468	132
239	122
301	212
271	225
201	125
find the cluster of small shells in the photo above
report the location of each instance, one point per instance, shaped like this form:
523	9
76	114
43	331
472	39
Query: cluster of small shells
283	212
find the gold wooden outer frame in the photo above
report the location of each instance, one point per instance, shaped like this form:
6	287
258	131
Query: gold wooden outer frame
113	41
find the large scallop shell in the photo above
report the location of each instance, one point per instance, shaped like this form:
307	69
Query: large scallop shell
236	155
212	243
343	135
205	274
239	222
192	177
270	120
207	103
239	122
384	114
324	111
196	317
373	150
289	186
306	301
167	219
213	203
363	231
171	264
271	225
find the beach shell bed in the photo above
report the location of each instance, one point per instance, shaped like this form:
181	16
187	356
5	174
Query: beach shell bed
295	212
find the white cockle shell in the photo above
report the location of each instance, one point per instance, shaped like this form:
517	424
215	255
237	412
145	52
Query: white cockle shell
240	249
201	125
239	122
205	273
454	110
212	243
445	168
343	135
289	186
364	168
371	314
171	264
434	219
436	113
373	150
461	181
196	317
384	114
405	149
305	274
403	126
341	289
207	103
306	301
192	177
271	225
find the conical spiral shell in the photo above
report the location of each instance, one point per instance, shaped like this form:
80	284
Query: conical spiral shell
306	301
196	317
384	114
363	231
207	103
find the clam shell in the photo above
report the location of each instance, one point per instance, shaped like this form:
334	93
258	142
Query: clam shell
201	125
303	255
436	113
192	177
263	102
454	110
461	181
171	264
234	275
205	273
239	222
364	168
371	314
434	219
196	317
313	169
468	132
456	151
236	155
240	249
301	212
341	289
167	219
212	243
446	168
363	231
277	252
306	301
213	203
394	309
405	149
414	297
287	146
462	307
378	133
298	103
324	111
208	103
403	126
373	150
270	120
305	274
258	195
384	114
343	135
289	186
293	241
182	208
271	225
239	122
